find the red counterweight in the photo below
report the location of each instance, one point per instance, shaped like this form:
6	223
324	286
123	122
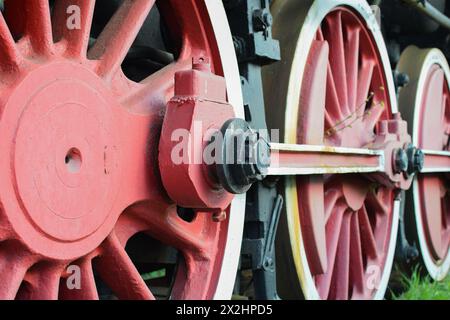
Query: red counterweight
198	109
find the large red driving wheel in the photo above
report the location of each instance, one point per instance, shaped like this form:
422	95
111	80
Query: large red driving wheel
79	153
426	104
341	229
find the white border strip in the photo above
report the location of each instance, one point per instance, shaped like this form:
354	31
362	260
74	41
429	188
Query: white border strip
230	67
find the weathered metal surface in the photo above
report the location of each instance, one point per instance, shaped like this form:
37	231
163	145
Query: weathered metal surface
79	153
359	96
199	109
426	107
436	162
318	160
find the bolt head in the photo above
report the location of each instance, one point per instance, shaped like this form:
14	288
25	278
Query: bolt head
262	156
259	23
219	216
400	161
419	160
416	159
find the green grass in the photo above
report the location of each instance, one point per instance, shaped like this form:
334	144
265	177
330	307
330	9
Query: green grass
423	288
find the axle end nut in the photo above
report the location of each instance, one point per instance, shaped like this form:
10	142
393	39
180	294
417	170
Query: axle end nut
416	159
243	159
400	161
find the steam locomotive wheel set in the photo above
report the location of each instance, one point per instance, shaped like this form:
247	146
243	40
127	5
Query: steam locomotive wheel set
108	109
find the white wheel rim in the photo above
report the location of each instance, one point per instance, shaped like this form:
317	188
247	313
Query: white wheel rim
232	250
438	271
316	14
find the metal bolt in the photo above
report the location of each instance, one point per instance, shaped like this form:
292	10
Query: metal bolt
416	159
239	46
412	253
419	160
400	161
219	216
268	264
268	19
261	20
402	79
201	64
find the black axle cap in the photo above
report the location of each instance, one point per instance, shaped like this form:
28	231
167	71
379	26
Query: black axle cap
243	157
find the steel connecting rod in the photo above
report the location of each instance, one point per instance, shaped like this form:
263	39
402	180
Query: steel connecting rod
288	159
436	162
391	160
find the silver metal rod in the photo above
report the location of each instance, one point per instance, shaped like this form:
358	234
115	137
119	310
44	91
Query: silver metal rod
427	9
436	161
289	159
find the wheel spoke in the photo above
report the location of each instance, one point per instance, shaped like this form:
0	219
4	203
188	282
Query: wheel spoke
310	192
331	198
41	283
376	202
319	35
13	267
313	95
329	121
334	34
196	276
88	290
368	241
155	91
163	223
356	257
5	230
373	115
333	232
118	271
340	281
332	98
193	240
78	37
31	19
119	34
352	62
9	55
364	85
184	27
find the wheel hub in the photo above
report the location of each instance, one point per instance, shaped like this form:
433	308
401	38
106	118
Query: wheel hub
64	157
80	132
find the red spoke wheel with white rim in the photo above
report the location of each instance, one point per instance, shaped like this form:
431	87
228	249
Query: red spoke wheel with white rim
79	151
425	103
334	86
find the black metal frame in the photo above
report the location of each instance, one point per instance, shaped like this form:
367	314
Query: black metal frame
250	22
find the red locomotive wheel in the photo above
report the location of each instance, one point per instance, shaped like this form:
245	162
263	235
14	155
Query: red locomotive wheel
79	151
336	87
426	104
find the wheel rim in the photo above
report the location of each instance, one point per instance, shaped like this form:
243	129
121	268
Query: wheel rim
342	230
94	135
429	88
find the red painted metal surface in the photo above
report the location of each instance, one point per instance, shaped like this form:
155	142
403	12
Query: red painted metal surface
199	108
346	220
391	136
434	135
79	151
436	161
322	159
